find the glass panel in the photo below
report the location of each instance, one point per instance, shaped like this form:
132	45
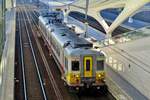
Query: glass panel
87	65
100	65
75	65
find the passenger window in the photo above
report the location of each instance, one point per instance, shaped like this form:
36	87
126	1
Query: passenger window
75	65
100	65
87	65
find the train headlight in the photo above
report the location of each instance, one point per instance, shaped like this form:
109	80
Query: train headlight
99	75
77	76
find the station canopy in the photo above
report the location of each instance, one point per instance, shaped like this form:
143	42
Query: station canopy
96	6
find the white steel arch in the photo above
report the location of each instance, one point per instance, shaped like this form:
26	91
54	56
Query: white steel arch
95	6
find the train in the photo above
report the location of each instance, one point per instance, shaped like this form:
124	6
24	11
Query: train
81	65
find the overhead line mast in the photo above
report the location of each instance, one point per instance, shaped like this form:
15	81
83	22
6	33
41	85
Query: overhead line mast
86	18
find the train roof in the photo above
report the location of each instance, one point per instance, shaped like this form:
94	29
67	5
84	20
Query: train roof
82	51
67	37
73	44
69	40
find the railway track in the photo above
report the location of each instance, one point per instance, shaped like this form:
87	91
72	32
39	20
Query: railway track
43	71
29	21
33	87
33	17
50	75
51	67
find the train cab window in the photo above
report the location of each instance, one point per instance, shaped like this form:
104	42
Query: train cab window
100	65
75	65
88	65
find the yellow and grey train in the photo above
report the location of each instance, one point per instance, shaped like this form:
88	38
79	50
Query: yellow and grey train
80	64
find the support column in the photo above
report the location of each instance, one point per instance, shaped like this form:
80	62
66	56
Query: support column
3	22
66	13
86	18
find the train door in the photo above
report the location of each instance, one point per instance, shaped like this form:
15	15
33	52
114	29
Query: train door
88	63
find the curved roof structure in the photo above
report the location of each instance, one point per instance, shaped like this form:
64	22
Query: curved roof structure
95	6
130	7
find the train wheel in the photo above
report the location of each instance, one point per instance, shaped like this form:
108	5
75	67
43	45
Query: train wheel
73	89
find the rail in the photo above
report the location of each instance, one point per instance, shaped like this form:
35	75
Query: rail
35	60
55	87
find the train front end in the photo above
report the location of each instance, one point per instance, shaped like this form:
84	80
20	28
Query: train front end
87	70
92	73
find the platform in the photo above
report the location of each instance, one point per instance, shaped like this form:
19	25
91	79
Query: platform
8	58
130	62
